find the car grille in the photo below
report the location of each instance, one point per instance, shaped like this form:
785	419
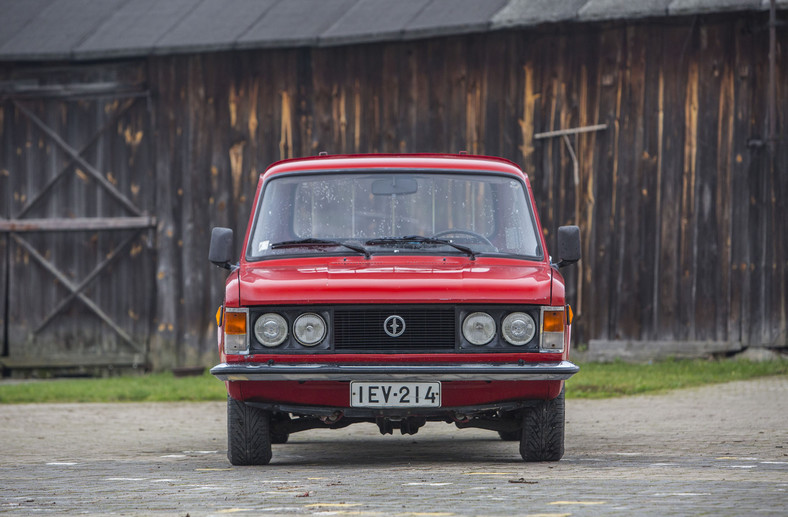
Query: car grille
426	329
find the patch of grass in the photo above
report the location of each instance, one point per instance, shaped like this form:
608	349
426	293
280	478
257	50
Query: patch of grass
158	387
605	380
595	380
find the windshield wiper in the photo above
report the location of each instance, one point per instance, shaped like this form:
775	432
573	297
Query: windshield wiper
422	240
320	242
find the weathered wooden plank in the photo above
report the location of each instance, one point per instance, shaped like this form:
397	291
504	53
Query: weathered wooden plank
708	309
584	208
646	350
627	261
724	194
610	70
742	154
424	118
201	130
571	131
166	73
456	90
496	66
72	361
779	319
671	131
757	238
76	224
775	331
651	128
5	206
688	228
78	91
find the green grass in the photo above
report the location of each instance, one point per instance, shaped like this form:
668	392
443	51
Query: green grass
158	387
605	380
595	380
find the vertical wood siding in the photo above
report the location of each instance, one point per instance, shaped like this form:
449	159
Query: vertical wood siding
43	321
682	209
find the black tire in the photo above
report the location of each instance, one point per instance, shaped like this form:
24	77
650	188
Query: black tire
248	434
510	436
543	431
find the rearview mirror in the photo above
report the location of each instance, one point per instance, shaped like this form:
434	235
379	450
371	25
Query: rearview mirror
399	185
221	250
568	245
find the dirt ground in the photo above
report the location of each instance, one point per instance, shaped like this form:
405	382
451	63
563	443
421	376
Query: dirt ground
719	449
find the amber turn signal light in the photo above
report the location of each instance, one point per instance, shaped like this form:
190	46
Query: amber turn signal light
234	322
553	321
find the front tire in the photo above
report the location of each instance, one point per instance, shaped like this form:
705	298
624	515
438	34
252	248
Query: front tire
543	431
248	434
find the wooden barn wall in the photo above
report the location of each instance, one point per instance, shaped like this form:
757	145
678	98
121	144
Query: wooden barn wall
78	297
681	204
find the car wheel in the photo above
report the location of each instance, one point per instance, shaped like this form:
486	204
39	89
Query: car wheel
543	431
248	434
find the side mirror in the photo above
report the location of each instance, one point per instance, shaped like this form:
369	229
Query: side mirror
568	245
221	251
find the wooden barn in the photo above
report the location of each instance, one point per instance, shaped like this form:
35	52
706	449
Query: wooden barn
129	128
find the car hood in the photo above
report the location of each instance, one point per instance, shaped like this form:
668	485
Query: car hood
394	280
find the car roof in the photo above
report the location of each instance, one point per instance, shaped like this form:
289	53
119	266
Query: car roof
348	162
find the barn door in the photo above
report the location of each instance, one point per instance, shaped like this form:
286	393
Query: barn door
77	178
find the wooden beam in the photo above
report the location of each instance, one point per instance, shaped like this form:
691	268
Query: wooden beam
76	361
27	90
572	131
76	224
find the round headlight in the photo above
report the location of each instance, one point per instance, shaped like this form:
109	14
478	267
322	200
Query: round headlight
270	329
518	328
478	328
309	329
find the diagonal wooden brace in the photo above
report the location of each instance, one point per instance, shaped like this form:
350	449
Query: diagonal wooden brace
86	281
109	187
71	287
51	183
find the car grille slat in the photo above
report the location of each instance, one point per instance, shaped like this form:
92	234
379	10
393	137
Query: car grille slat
426	329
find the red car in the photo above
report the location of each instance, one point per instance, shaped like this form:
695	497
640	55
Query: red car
397	290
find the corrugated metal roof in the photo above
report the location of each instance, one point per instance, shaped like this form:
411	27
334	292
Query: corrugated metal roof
373	20
293	23
211	24
95	29
133	27
620	9
58	28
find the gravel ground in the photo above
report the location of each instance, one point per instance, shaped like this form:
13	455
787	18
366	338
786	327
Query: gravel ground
718	450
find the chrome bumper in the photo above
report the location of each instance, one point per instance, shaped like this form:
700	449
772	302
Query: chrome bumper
555	371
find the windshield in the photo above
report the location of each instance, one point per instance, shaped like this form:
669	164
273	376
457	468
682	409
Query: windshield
414	212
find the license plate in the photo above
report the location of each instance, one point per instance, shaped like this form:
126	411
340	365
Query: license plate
395	394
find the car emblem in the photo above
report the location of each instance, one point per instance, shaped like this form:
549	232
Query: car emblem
394	326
